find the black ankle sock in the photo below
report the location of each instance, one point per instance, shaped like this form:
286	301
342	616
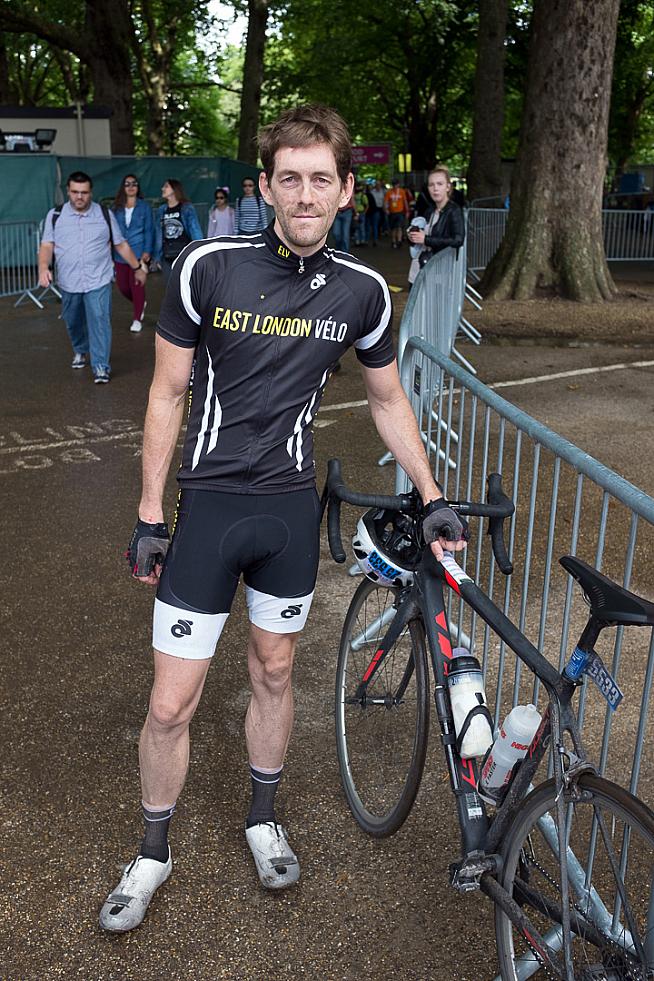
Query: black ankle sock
155	841
264	787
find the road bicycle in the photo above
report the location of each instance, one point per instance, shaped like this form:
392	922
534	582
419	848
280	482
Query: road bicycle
569	864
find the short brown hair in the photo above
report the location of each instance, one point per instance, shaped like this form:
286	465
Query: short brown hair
305	126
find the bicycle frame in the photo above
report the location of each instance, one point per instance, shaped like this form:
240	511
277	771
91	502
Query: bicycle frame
481	836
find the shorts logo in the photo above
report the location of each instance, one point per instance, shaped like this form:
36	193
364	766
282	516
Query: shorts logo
182	628
318	280
291	611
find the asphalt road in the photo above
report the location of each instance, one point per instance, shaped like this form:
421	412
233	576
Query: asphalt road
75	681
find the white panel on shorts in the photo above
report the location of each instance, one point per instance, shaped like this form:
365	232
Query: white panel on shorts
184	633
276	614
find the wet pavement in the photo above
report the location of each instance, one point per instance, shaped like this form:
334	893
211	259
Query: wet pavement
76	674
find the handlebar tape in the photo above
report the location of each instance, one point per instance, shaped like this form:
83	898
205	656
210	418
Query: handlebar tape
496	496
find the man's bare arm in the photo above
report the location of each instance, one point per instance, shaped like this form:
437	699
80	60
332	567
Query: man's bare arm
46	251
397	426
163	420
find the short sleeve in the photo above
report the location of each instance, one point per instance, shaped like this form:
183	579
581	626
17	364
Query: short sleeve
180	317
116	234
374	348
48	228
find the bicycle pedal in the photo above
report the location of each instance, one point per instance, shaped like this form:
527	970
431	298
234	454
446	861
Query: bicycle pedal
465	875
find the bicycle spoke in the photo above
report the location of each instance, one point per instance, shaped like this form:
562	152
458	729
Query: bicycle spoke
381	727
609	882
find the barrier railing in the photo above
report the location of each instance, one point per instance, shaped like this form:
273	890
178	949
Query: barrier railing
628	235
19	272
566	503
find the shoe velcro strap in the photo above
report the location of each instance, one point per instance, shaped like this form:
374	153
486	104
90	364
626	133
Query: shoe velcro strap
119	899
283	860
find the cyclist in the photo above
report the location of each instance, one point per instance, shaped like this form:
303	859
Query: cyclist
262	320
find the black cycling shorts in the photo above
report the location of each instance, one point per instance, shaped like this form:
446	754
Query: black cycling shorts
273	540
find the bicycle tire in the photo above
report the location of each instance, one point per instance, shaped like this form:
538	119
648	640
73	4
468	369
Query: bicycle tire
602	948
381	748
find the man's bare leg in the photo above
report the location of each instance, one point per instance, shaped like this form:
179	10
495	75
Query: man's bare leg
268	725
269	718
164	743
163	754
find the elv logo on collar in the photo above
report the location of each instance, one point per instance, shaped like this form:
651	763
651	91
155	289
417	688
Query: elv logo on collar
283	252
318	280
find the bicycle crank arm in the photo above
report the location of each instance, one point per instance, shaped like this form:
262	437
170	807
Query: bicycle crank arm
465	875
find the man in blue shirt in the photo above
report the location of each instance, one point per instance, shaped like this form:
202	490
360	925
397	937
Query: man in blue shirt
80	236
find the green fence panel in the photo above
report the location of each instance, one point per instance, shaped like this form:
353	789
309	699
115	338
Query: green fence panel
199	175
29	184
32	183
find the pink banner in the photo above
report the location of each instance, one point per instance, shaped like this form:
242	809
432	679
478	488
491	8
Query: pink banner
374	153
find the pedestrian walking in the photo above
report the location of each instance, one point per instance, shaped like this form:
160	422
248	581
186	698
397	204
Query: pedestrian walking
396	207
134	217
79	237
176	225
250	213
221	215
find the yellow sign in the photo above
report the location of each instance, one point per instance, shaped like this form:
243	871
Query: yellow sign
404	162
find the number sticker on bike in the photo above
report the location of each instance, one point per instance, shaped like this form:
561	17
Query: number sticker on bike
601	676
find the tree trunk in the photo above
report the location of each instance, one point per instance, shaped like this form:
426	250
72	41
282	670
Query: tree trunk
252	80
554	236
485	170
7	95
110	29
104	44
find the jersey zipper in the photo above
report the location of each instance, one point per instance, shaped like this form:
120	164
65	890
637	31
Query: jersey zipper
301	266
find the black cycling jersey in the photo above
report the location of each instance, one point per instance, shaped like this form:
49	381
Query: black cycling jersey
268	328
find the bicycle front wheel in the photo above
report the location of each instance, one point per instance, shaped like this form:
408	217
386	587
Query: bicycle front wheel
381	736
610	875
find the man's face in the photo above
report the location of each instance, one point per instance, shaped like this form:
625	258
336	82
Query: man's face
306	192
79	195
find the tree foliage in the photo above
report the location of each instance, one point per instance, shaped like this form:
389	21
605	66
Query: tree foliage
398	71
631	124
64	51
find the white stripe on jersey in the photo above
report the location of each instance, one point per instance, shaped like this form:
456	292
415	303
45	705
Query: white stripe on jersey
217	418
302	421
189	264
370	339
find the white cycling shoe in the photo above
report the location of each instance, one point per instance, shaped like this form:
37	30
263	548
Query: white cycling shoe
276	862
125	908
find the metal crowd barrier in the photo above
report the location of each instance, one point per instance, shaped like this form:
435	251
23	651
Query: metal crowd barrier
433	310
19	269
628	235
566	503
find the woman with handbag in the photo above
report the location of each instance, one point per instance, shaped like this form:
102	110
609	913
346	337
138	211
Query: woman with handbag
444	225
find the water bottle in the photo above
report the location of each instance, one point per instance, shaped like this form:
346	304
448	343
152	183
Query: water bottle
466	684
511	745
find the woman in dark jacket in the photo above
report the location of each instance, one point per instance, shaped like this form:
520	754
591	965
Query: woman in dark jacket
444	226
134	217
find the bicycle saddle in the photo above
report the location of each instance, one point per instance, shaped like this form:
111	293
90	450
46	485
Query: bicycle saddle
608	601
